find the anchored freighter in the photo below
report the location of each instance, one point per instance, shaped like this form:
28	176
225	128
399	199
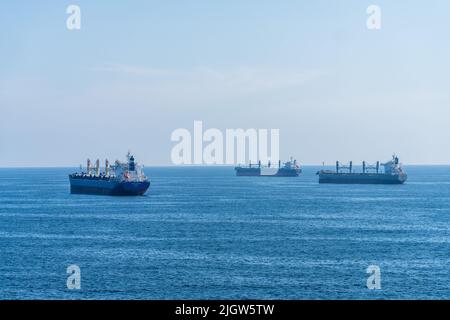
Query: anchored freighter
371	174
289	169
120	179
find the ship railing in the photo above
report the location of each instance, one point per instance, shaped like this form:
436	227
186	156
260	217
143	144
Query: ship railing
84	175
256	166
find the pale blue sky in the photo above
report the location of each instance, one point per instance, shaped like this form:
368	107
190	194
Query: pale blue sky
137	70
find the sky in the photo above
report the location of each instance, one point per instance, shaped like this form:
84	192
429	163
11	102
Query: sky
138	70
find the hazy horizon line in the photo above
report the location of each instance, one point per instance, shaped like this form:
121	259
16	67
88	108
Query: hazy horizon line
212	165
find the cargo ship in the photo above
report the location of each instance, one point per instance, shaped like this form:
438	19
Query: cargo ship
120	179
289	169
392	173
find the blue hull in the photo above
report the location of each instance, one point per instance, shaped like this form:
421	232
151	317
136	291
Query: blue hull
256	172
361	178
107	187
248	172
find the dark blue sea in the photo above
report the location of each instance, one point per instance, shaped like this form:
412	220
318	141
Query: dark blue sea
202	233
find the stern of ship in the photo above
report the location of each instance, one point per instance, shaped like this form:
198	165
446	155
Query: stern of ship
132	188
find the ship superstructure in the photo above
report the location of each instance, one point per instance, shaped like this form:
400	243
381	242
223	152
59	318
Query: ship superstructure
392	173
121	178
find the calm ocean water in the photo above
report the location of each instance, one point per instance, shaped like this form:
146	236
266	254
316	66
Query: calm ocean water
202	233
